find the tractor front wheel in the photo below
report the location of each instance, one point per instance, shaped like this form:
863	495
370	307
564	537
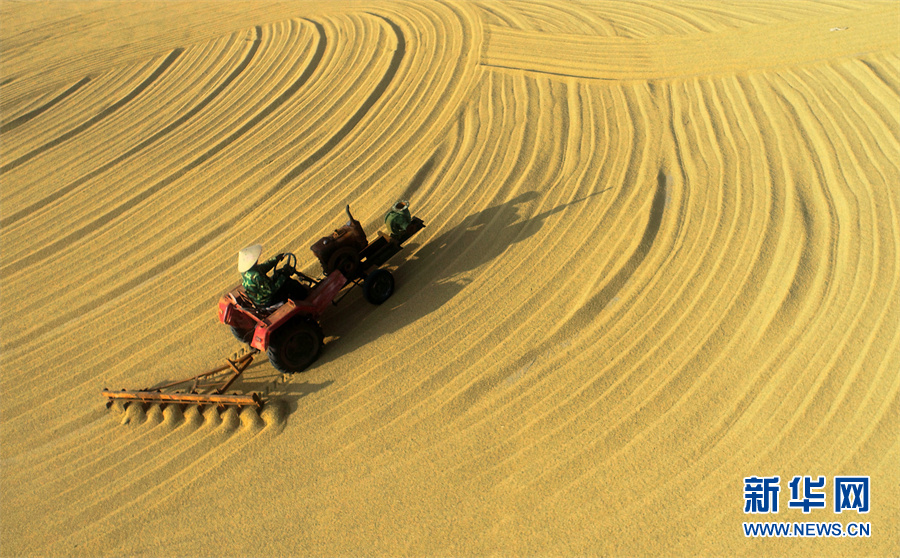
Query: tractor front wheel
295	346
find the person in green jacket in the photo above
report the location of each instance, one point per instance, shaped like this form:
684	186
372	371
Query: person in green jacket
263	290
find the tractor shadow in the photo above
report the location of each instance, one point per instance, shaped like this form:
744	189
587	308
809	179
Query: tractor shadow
431	274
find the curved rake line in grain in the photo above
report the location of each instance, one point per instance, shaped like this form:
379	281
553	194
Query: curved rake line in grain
611	440
107	462
684	383
464	398
578	469
497	12
565	282
593	307
881	72
99	117
466	165
442	163
16	122
788	311
835	124
880	261
874	103
55	196
474	156
208	451
596	303
431	386
366	167
818	323
47	251
721	15
773	338
286	144
373	98
517	317
179	443
299	168
680	20
564	18
379	90
588	57
286	66
291	175
756	274
563	336
547	418
861	413
701	279
329	145
481	167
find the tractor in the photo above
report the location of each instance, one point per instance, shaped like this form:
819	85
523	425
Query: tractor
289	331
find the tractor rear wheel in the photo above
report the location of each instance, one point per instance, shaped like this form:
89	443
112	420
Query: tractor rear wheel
295	346
242	335
378	286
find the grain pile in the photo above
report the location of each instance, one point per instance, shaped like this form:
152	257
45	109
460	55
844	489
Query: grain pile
661	257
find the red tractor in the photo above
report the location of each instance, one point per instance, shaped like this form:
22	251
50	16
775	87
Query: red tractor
289	331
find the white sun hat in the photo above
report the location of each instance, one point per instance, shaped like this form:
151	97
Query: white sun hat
248	257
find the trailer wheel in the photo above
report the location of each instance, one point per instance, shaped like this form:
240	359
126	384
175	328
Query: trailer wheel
295	346
378	286
242	335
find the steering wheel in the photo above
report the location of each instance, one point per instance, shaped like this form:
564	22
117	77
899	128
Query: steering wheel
290	267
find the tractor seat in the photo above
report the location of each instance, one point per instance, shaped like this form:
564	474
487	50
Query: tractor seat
269	309
244	302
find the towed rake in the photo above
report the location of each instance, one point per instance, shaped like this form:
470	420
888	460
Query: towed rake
207	388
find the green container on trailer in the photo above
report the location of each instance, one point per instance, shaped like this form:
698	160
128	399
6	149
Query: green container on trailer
398	218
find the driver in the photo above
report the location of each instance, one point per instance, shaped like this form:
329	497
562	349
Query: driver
263	290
